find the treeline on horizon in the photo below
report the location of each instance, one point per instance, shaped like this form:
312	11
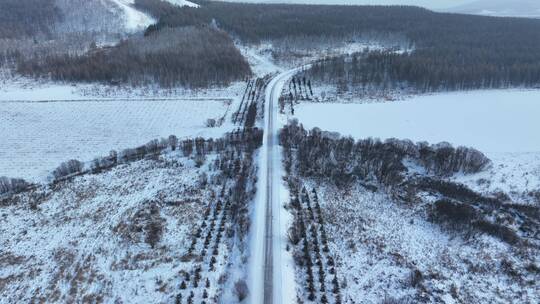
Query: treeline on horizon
422	71
449	51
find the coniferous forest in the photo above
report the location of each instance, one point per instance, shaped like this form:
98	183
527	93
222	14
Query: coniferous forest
445	51
26	17
448	51
187	56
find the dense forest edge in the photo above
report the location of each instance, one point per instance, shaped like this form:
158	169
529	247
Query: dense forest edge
440	51
381	166
443	51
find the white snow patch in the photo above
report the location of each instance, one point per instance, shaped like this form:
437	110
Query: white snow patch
516	174
26	90
135	20
260	59
77	244
20	88
182	3
378	244
38	136
503	124
491	121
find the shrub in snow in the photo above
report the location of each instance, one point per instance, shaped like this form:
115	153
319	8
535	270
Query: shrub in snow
68	168
129	155
199	160
173	142
156	146
12	185
454	212
211	123
443	159
241	290
342	159
145	225
102	163
458	192
154	233
324	299
415	277
294	234
191	297
502	232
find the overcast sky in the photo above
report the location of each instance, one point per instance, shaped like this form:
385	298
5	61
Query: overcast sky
433	4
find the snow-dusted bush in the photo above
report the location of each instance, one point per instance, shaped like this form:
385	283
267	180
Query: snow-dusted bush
68	168
455	212
443	159
12	185
342	159
241	290
173	142
454	191
101	163
211	123
145	225
500	231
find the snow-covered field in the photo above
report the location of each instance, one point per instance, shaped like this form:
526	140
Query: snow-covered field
503	124
44	123
38	136
388	251
116	237
491	121
19	88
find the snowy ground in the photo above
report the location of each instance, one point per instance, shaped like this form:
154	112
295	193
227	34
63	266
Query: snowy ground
182	3
88	240
38	136
135	20
380	244
18	88
260	59
46	123
491	121
503	124
515	174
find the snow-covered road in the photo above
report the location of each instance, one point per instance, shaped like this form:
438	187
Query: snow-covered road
271	273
